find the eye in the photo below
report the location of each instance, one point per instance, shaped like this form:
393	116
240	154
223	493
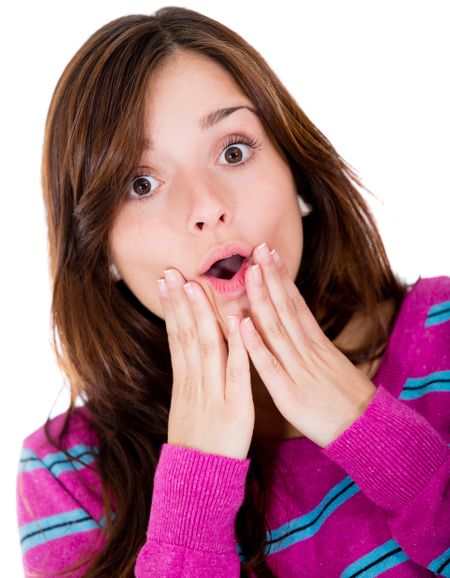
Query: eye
234	154
142	186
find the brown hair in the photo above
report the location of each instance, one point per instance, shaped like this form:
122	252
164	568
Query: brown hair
113	350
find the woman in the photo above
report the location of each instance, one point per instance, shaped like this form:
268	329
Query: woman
258	389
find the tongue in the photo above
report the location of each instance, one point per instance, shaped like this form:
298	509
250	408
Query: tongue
226	268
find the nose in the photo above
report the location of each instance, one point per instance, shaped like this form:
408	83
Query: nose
206	208
210	219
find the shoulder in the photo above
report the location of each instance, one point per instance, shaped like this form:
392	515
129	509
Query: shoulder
420	351
427	317
437	291
430	298
72	432
60	474
425	311
60	508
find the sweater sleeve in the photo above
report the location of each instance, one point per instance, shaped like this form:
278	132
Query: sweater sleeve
196	497
58	522
402	464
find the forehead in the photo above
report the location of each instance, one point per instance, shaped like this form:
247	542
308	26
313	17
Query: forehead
211	119
192	71
190	91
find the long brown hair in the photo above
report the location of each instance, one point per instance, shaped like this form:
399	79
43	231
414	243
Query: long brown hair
113	350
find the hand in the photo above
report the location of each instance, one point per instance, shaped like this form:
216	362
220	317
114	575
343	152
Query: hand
211	407
313	385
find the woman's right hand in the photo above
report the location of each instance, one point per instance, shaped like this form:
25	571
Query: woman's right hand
212	406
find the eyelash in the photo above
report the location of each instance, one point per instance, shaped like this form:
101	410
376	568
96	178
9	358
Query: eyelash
238	138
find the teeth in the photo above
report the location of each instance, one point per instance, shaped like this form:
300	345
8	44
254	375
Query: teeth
226	268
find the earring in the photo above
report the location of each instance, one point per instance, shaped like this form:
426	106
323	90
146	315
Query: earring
114	272
305	208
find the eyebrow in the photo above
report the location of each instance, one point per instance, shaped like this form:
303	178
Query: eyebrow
213	118
216	116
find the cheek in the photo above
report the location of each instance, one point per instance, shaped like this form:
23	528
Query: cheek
121	237
290	234
144	288
132	251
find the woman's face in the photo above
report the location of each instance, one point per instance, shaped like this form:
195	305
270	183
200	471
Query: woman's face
195	192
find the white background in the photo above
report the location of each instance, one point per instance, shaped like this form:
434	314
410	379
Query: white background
372	76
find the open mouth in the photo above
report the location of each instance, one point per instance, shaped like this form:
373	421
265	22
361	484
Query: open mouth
227	276
225	268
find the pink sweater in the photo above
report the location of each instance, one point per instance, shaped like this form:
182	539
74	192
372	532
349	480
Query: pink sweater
374	502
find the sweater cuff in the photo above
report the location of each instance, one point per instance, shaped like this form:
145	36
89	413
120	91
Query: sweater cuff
196	497
391	451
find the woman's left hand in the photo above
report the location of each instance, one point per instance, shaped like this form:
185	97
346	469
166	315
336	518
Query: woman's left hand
313	385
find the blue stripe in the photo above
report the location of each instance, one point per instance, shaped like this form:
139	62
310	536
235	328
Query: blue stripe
419	386
438	314
441	565
305	526
29	461
377	561
57	462
53	527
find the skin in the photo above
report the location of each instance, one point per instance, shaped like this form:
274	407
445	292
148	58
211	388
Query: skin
253	204
200	200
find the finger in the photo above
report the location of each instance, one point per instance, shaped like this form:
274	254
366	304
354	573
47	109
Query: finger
213	352
238	367
266	364
275	289
177	358
307	319
185	331
269	325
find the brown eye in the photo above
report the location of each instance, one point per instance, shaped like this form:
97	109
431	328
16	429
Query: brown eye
233	155
143	187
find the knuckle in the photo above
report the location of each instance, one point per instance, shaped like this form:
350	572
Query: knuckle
186	336
287	308
185	389
172	338
207	347
299	302
235	373
322	343
276	330
272	365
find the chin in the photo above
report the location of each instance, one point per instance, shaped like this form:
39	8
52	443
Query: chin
239	307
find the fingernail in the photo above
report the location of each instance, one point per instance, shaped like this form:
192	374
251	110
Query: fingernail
232	323
277	259
162	288
248	324
171	278
256	272
263	250
191	291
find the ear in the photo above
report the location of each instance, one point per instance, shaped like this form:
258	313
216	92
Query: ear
114	272
305	208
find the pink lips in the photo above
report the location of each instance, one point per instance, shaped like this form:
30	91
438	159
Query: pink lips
222	252
230	288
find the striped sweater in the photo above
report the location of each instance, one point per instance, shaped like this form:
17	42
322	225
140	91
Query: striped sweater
375	502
